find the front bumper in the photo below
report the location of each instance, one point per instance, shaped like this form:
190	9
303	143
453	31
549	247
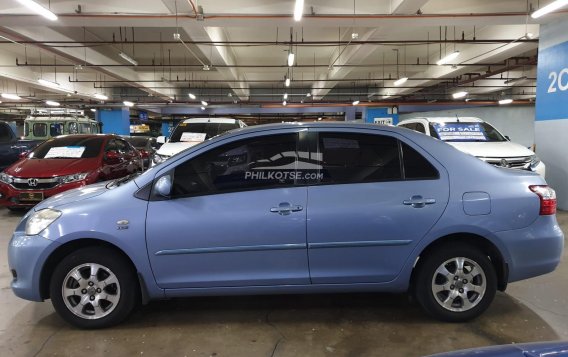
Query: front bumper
26	258
534	250
10	196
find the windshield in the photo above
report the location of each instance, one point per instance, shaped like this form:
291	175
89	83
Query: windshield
69	147
198	132
465	132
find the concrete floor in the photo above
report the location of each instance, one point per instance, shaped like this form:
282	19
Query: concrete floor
316	325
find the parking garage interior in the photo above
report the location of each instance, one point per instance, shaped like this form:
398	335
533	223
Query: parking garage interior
141	68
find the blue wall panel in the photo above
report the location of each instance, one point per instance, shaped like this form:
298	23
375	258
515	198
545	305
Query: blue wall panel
115	121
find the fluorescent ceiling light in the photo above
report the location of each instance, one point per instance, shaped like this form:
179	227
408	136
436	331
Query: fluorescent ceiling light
11	96
206	67
400	81
505	101
192	96
355	102
128	103
37	8
284	103
298	10
128	58
47	83
93	110
204	103
457	95
515	80
52	103
291	57
100	96
308	94
287	82
448	58
553	6
202	108
285	95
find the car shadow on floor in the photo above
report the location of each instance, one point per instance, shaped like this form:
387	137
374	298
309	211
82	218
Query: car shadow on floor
283	325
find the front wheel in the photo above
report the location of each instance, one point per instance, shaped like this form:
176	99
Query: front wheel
94	288
455	283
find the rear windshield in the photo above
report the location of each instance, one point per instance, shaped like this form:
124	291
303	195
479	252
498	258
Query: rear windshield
468	132
69	148
197	132
139	142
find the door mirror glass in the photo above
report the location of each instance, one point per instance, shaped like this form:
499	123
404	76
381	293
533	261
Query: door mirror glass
23	155
163	186
161	139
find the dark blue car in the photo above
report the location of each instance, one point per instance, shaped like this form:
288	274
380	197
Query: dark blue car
307	208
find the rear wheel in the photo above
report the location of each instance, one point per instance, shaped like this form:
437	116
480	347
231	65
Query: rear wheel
94	288
455	283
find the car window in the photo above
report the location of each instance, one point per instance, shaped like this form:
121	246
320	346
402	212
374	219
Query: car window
111	146
416	167
73	128
419	127
5	133
352	158
467	132
55	129
256	163
125	147
40	129
408	126
85	128
69	147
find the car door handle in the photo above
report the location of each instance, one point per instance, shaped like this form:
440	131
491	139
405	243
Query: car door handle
419	201
285	209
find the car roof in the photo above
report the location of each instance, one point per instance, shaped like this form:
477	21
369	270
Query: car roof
446	119
211	120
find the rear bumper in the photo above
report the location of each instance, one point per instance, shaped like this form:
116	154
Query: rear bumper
534	250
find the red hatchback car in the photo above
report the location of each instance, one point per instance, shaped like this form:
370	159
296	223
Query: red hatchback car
66	162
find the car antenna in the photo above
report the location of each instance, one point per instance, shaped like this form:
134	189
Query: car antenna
457	118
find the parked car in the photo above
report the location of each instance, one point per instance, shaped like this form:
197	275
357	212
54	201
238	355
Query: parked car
146	145
11	147
66	162
539	349
191	132
231	216
478	138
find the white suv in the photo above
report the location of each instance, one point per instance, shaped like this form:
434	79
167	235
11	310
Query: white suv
478	138
191	132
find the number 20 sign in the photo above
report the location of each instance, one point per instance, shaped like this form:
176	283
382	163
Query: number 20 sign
558	80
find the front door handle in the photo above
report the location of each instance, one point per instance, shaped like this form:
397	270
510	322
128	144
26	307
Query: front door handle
286	208
419	201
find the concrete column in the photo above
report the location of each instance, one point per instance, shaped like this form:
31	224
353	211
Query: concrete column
551	126
115	121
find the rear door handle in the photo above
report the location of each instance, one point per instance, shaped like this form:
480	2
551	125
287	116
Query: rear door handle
286	208
419	201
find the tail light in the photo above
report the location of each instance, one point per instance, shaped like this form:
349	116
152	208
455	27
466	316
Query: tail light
547	198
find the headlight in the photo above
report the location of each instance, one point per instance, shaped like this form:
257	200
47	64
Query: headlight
158	159
534	161
72	178
6	178
40	220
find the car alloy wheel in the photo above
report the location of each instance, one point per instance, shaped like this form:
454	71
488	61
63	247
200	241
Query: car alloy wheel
459	284
91	291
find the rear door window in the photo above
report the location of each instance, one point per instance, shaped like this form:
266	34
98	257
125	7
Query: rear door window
40	130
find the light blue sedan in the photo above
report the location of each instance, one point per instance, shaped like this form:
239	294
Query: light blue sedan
292	208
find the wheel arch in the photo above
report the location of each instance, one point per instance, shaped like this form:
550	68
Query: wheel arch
484	244
56	256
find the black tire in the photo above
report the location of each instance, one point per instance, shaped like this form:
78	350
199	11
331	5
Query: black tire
108	264
427	280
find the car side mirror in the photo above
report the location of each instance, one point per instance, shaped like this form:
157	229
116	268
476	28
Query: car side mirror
112	157
23	155
161	140
163	186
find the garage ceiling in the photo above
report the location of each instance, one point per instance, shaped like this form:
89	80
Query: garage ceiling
235	52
